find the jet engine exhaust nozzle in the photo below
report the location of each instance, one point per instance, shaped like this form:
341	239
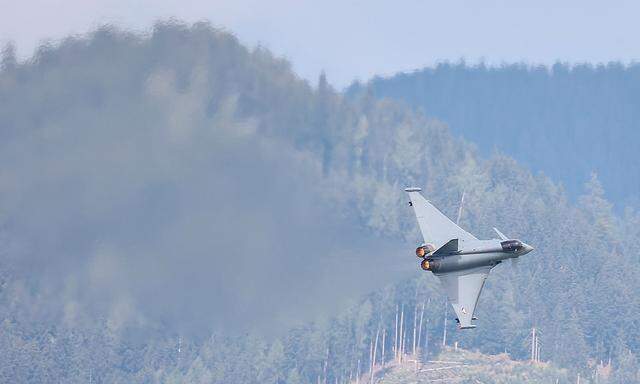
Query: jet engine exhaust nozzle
425	250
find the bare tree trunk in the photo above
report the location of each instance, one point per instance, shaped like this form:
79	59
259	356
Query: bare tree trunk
324	370
533	344
401	334
460	208
415	326
371	355
444	331
404	343
426	342
375	350
384	339
358	373
375	347
395	338
420	326
403	348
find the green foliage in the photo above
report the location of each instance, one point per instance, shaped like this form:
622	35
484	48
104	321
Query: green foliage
627	370
580	287
581	116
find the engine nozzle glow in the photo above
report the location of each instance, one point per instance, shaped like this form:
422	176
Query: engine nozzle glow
425	250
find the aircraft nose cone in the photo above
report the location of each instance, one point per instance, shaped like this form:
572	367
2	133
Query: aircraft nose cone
527	249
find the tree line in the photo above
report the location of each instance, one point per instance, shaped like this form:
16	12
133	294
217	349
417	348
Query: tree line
579	288
579	115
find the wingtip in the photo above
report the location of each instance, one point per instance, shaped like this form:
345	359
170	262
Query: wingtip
412	189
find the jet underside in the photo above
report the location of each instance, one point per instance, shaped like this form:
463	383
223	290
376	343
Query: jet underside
459	260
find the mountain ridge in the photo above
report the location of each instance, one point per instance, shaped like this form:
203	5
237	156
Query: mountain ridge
582	116
167	199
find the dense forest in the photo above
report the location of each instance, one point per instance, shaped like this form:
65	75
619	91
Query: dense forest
585	117
176	207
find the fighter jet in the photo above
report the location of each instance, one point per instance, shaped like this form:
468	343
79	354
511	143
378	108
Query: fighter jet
457	258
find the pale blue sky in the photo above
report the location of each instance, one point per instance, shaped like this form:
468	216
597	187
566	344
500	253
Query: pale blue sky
356	39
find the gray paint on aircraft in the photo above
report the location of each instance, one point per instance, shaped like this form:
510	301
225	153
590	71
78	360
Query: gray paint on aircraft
460	261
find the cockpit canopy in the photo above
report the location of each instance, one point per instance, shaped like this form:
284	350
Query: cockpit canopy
511	245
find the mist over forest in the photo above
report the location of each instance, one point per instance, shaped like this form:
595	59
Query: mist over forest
177	207
139	185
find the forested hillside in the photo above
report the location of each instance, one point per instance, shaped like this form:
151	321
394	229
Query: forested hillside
584	117
177	207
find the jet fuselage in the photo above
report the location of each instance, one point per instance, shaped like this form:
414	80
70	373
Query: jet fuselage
477	254
460	260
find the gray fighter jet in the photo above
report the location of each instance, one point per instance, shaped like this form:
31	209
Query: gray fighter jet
457	258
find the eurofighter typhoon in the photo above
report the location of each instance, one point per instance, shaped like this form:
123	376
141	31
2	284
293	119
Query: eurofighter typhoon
457	258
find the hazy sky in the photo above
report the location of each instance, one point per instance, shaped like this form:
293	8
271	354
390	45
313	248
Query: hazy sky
355	39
